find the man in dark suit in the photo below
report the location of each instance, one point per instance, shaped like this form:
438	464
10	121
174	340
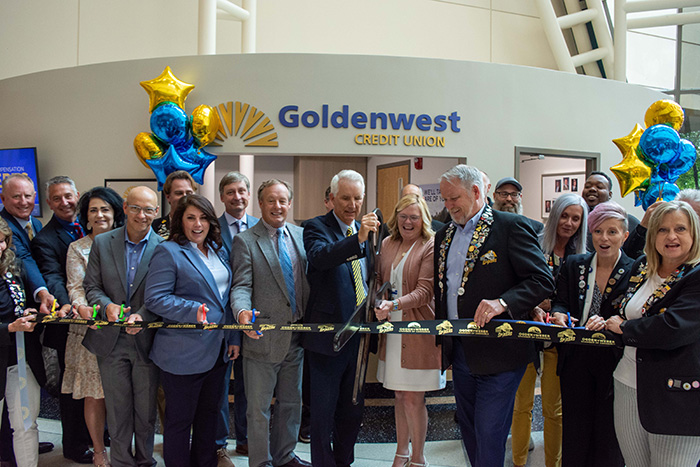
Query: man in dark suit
116	281
49	249
18	195
269	264
488	265
234	192
177	185
335	248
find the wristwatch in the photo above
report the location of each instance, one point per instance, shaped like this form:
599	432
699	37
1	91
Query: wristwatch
396	305
503	303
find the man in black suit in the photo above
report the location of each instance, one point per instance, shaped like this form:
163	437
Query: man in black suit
335	249
488	265
49	248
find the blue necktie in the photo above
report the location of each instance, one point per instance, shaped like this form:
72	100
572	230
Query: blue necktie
287	270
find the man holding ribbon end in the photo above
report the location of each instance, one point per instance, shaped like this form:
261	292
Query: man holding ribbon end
269	263
488	265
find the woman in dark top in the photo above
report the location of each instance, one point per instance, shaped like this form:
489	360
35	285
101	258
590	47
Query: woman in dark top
657	381
13	319
588	287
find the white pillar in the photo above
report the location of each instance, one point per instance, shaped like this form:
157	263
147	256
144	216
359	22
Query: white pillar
206	45
620	41
246	166
248	30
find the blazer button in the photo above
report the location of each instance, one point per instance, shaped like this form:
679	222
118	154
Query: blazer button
639	359
403	346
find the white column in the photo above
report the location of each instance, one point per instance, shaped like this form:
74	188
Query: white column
620	41
206	45
246	166
248	30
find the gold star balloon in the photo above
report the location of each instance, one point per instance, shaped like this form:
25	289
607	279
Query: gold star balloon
665	111
167	88
631	173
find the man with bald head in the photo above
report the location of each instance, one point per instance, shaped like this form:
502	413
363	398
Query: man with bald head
115	280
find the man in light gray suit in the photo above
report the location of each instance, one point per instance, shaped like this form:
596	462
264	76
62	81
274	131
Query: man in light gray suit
116	276
269	263
234	191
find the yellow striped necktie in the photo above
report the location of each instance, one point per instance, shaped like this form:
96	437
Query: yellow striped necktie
29	230
357	276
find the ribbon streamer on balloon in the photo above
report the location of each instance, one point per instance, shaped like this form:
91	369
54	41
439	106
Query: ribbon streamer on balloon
176	140
654	159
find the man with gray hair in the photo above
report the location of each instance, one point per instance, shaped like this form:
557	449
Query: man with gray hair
50	248
479	245
336	246
234	192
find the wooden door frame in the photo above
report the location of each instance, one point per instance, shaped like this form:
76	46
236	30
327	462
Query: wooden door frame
388	166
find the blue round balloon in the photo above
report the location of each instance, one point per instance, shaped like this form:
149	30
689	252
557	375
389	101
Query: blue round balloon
169	124
664	191
659	144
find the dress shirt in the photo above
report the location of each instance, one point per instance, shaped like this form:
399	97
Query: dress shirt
296	266
363	262
456	257
134	253
23	223
232	221
217	269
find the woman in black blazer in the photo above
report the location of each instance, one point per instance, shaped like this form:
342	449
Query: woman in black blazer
657	381
13	319
587	289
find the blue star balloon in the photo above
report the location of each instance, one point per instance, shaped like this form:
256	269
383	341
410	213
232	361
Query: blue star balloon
201	159
169	163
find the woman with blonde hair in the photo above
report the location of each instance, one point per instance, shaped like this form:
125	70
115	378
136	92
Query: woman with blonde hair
657	381
409	364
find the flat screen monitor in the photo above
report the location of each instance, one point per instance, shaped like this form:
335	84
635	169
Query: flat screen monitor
22	160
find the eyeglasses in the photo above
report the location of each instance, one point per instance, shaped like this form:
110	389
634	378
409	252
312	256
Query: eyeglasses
136	210
507	194
403	217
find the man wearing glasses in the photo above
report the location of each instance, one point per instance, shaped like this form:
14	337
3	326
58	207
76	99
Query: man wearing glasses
508	197
115	280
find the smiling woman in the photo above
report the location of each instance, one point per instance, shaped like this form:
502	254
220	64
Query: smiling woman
656	381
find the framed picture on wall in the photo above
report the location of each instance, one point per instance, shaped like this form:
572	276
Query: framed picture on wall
554	185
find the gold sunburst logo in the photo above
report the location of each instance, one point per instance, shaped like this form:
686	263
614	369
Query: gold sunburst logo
246	122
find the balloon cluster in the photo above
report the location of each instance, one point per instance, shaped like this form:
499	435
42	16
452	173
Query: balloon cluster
176	140
654	158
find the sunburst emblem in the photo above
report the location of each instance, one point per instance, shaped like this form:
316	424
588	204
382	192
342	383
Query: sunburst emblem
246	122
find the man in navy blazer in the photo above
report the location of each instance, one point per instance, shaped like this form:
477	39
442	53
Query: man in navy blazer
234	192
18	195
49	249
116	281
488	264
335	242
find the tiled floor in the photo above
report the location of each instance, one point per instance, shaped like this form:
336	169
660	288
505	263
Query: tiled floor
438	453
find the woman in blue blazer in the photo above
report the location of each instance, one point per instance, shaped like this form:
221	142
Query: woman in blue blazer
189	281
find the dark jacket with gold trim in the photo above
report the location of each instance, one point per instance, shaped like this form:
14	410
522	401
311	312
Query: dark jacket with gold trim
667	339
519	275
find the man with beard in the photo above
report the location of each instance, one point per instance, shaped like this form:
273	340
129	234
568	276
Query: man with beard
508	197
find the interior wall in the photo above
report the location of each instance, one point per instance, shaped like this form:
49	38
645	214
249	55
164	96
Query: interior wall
531	172
39	35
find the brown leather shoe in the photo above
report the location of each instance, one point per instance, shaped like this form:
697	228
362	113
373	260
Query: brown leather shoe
223	459
242	449
296	462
